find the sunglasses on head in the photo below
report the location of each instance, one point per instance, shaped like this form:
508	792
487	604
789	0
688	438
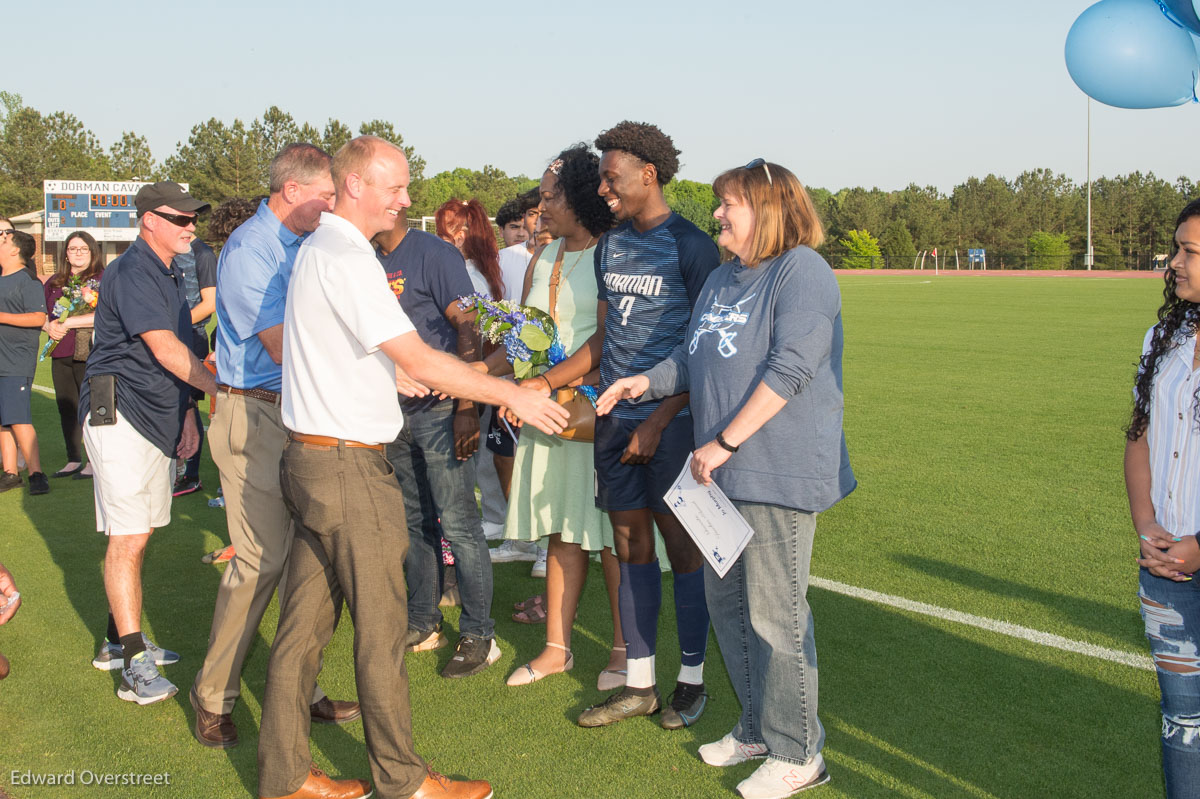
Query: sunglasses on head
756	163
181	220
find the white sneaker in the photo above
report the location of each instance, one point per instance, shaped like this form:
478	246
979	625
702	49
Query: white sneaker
729	751
493	531
776	779
539	565
511	551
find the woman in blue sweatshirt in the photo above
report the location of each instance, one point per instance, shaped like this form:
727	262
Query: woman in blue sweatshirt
763	362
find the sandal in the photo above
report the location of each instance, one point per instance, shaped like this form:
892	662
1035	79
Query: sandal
539	599
528	674
611	679
534	613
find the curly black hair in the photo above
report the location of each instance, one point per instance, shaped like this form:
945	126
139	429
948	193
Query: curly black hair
1176	317
644	141
228	216
578	180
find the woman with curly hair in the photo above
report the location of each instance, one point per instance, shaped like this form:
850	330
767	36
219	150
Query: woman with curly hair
1162	478
552	477
79	258
466	226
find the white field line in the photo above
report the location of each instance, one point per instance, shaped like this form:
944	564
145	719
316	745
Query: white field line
1001	627
43	389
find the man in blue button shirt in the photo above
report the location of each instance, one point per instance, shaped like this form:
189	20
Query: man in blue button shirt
247	435
139	425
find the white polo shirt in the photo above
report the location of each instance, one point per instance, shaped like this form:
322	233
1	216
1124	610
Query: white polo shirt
336	382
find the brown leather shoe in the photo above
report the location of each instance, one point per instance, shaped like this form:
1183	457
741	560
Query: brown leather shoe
333	711
214	730
438	786
319	785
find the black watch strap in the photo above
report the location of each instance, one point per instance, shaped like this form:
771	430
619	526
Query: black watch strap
725	445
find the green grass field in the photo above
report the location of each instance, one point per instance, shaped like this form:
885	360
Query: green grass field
983	417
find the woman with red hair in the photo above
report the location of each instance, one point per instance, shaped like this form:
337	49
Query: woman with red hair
466	226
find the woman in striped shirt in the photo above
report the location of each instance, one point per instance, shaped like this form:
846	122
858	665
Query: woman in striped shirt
1162	477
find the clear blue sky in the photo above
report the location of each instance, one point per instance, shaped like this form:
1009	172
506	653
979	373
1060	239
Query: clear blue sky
872	93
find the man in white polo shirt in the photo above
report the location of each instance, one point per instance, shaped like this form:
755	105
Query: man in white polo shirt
344	335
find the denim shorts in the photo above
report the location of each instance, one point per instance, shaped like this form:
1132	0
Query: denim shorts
14	400
621	486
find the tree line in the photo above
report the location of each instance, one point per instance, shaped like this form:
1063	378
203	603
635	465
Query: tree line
1037	220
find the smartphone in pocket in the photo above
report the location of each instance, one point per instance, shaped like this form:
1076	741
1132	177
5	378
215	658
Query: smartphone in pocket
102	391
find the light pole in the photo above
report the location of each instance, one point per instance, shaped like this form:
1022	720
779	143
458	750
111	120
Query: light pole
1087	258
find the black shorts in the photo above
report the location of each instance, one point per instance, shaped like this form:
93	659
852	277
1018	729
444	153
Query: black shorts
15	404
622	486
499	440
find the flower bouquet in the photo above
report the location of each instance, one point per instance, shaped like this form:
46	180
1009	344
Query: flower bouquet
78	297
529	336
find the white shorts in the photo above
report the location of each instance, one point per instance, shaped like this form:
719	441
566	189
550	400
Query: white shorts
133	482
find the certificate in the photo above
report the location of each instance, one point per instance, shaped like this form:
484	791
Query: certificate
710	519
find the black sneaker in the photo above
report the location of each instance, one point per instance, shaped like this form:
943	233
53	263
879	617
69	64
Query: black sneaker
624	704
9	480
471	656
186	486
686	705
38	483
421	641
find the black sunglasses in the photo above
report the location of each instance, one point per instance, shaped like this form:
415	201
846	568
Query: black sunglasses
182	220
756	163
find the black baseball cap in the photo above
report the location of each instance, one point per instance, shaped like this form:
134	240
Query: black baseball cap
167	192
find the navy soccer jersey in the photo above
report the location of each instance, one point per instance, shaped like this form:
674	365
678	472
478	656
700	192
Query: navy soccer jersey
650	281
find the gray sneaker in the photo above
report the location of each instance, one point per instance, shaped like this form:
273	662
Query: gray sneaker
471	656
141	682
9	480
624	704
112	657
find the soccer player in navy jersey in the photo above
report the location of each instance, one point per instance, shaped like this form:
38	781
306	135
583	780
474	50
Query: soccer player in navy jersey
649	270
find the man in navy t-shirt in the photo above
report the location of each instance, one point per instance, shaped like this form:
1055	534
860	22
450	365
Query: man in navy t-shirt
649	271
142	335
432	455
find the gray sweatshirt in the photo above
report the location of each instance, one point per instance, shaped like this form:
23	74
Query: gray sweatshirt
779	323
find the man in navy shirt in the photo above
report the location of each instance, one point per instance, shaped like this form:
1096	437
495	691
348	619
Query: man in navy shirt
432	455
649	270
142	332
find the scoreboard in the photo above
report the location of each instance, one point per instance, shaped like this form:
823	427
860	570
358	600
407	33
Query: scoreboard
103	208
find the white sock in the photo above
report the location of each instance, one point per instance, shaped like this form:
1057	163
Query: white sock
692	675
640	672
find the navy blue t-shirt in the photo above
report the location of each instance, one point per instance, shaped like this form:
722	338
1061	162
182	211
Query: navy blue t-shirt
650	281
427	275
138	293
19	345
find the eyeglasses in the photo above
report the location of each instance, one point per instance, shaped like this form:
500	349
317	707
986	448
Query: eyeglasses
756	163
182	220
79	250
7	231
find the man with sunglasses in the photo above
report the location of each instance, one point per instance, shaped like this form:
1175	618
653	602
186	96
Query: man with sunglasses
133	412
649	270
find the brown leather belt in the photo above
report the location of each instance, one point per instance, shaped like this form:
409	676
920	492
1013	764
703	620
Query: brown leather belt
254	393
332	443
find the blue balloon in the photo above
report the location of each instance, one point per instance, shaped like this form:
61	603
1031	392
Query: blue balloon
1128	54
1183	12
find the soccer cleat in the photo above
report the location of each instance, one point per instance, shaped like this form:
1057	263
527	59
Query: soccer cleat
142	683
471	656
185	486
729	751
778	779
112	657
624	704
686	705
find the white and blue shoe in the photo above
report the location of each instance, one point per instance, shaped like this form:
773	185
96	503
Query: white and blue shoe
142	683
779	779
112	657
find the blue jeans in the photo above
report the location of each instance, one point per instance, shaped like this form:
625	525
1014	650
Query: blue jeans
765	629
1171	612
436	484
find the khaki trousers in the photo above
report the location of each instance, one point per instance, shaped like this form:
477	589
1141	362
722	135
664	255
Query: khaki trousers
351	540
246	437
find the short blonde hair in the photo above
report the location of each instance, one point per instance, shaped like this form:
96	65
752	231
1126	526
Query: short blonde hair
356	155
784	216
